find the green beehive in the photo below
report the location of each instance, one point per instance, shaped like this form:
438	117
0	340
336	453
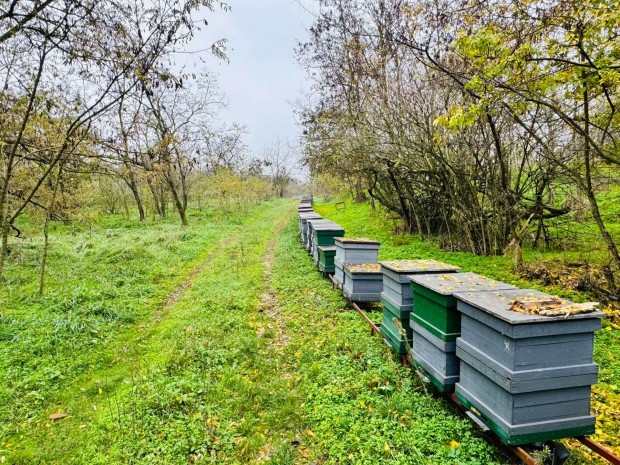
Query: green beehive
434	306
397	296
324	234
326	258
393	334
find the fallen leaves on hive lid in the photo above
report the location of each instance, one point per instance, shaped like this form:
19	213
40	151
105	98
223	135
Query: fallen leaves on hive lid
363	268
406	265
551	306
360	240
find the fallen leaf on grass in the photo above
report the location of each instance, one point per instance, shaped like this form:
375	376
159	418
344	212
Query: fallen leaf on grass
58	416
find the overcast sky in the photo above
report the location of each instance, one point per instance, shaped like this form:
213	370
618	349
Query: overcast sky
262	80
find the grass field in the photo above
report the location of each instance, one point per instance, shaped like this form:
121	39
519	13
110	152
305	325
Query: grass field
220	343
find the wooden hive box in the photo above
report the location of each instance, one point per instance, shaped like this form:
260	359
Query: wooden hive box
435	304
353	250
528	376
436	358
326	258
396	282
393	335
303	223
363	282
437	322
397	296
309	235
324	234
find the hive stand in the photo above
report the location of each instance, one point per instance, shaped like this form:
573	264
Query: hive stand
436	323
355	251
363	282
528	376
397	296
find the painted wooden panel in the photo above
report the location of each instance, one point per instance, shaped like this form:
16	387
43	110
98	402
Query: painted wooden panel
401	311
436	357
363	282
392	333
326	258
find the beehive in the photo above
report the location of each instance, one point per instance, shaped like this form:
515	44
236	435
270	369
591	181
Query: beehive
326	258
303	223
354	251
324	234
436	323
363	282
528	376
397	296
309	234
391	328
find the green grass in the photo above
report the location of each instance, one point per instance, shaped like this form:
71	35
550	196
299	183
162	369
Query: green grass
99	320
257	360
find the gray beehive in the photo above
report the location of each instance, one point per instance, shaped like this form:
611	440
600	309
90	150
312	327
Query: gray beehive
303	223
397	295
435	312
396	282
529	376
363	282
436	357
354	251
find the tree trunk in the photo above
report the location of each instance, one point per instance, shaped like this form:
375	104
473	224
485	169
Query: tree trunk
157	208
48	218
5	249
181	209
596	213
133	187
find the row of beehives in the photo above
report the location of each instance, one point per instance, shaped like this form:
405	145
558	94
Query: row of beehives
528	377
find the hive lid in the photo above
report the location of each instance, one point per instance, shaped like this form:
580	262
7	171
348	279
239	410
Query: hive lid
315	223
451	283
417	266
328	227
327	248
357	240
310	216
497	303
363	268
